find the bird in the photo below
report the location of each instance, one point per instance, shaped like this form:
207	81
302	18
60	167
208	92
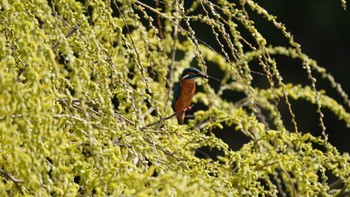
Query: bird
184	90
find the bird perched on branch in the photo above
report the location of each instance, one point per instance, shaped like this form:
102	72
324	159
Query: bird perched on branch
184	91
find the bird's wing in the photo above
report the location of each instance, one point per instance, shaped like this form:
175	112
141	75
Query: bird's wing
176	94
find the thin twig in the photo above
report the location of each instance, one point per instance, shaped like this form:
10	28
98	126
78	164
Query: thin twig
159	23
169	117
335	184
172	21
138	59
7	175
74	29
173	54
293	189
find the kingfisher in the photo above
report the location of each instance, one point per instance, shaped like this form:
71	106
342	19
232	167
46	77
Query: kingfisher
184	91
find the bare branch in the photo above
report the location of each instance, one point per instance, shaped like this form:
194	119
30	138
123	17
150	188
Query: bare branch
7	175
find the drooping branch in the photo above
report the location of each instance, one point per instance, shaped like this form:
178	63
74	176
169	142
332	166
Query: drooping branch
7	175
74	29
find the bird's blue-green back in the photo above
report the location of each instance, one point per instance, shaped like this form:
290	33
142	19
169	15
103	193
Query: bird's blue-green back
176	93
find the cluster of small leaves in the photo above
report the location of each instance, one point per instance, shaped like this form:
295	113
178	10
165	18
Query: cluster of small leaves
80	80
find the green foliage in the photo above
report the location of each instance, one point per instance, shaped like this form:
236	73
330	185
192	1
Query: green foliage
79	82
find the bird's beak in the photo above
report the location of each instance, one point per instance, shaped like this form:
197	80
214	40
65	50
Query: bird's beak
208	76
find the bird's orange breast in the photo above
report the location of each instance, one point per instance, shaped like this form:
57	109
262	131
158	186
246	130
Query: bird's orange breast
187	90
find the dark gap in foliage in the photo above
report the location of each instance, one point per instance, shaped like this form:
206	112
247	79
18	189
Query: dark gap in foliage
87	150
21	72
292	70
207	152
70	90
191	113
128	109
319	147
48	159
267	29
260	79
142	17
115	42
199	88
40	22
336	130
115	12
264	183
246	35
183	25
188	4
52	5
195	64
234	139
75	53
233	96
53	194
182	37
62	60
76	179
116	9
234	167
205	36
88	13
149	105
155	172
277	179
286	116
158	21
82	191
263	115
82	1
333	181
92	76
93	192
156	76
115	102
131	74
148	92
217	73
325	85
305	115
49	172
128	29
179	55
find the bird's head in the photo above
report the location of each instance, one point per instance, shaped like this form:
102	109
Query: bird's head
193	73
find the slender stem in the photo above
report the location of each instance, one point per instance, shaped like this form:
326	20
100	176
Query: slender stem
7	175
167	118
159	21
173	53
74	29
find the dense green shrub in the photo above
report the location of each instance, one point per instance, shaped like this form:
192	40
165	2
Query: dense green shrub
80	80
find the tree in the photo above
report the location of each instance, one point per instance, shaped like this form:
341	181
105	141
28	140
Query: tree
81	80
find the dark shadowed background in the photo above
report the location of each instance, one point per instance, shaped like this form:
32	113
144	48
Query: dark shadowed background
322	28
